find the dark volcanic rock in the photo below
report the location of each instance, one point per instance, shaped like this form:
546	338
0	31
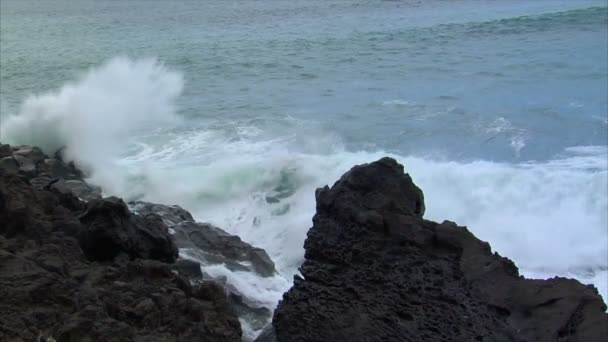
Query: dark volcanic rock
110	229
171	214
31	153
5	151
215	246
376	271
50	286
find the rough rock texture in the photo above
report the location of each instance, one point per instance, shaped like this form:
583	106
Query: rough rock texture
189	268
110	229
94	271
215	246
212	246
375	270
41	171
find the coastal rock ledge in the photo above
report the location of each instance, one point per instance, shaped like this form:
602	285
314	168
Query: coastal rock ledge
375	270
82	268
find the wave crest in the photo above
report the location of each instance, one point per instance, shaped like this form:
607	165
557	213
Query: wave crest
94	116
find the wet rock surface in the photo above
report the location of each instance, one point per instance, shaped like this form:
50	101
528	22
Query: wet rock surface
215	246
375	270
111	229
211	246
39	170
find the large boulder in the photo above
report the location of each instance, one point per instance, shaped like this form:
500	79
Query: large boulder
9	165
375	270
111	230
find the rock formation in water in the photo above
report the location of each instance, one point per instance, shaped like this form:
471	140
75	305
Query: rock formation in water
211	246
93	271
375	270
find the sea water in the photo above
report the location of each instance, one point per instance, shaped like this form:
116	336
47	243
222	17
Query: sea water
238	110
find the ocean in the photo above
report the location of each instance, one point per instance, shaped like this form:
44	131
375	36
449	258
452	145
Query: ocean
239	110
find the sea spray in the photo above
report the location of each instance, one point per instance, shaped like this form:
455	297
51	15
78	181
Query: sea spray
549	217
94	117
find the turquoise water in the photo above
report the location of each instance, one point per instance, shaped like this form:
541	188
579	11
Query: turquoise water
499	109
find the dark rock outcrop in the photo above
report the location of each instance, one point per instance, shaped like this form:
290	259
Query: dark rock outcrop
375	270
171	214
94	271
40	171
110	229
211	246
78	188
215	246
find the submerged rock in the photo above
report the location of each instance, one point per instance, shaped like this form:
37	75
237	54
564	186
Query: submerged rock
375	270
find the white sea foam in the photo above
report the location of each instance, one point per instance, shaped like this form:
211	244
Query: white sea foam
95	116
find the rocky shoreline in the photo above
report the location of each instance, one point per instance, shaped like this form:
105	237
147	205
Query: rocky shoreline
81	267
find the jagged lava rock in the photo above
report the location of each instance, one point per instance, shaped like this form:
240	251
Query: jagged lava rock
375	270
111	229
171	214
212	246
51	283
